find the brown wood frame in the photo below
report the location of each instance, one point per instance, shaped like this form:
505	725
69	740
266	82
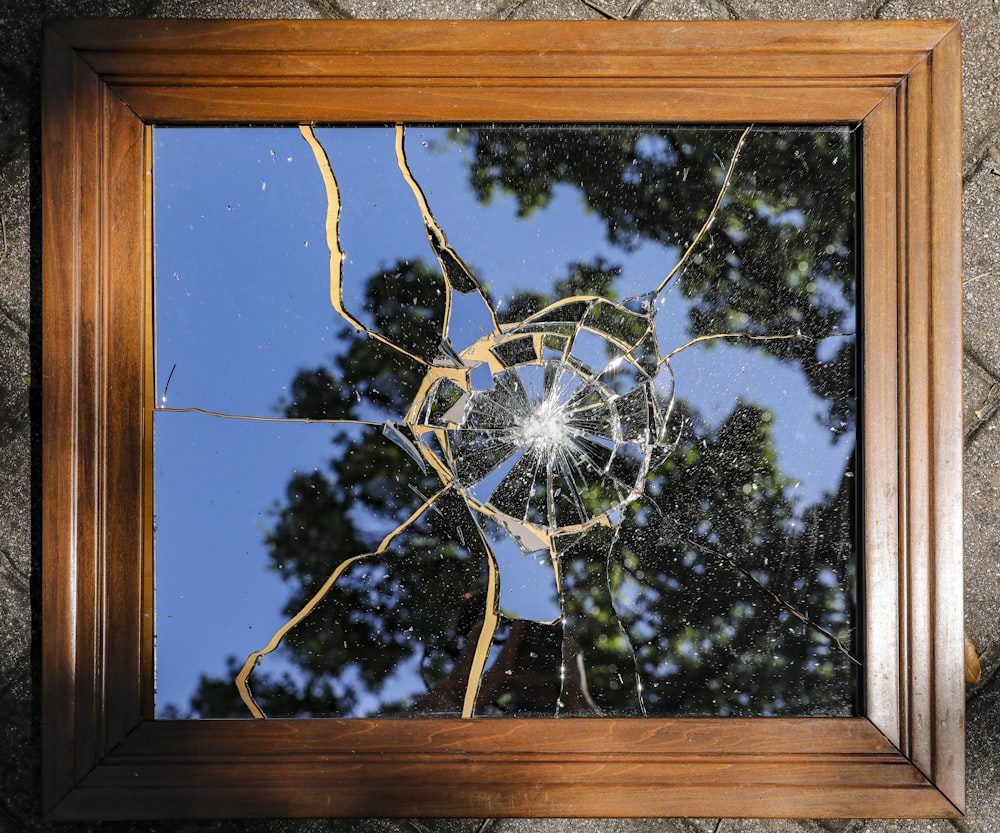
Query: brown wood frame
105	82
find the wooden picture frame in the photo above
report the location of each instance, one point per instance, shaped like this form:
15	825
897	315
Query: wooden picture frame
106	82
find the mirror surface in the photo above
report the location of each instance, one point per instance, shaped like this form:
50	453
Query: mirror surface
516	420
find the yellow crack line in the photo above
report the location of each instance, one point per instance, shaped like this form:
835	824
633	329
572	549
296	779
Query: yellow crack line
333	243
436	236
491	617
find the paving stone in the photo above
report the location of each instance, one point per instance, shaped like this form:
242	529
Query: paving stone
95	8
18	743
667	9
15	268
836	825
239	9
983	763
15	115
981	393
982	536
980	57
19	760
15	615
21	24
548	10
982	589
417	10
908	826
376	826
792	10
443	825
687	825
15	475
14	417
590	826
759	825
981	277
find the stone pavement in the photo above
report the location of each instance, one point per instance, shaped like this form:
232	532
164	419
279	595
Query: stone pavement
20	31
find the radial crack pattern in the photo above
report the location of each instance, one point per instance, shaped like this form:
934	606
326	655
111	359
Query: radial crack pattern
547	429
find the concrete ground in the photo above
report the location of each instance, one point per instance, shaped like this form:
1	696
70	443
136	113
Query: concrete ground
20	31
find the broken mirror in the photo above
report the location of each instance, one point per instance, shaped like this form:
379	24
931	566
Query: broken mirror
518	420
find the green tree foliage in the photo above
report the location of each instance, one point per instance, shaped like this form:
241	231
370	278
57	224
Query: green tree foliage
778	259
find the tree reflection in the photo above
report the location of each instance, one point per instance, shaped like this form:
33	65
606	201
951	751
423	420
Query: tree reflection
713	596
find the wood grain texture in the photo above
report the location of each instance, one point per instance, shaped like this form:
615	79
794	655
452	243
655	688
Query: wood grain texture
881	428
359	103
565	71
105	82
60	254
123	378
945	338
915	448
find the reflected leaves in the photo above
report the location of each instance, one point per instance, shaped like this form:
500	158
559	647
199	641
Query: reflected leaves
657	561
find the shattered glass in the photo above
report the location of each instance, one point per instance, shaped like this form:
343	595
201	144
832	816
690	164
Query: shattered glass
505	420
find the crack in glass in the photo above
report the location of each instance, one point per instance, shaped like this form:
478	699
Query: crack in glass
546	429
